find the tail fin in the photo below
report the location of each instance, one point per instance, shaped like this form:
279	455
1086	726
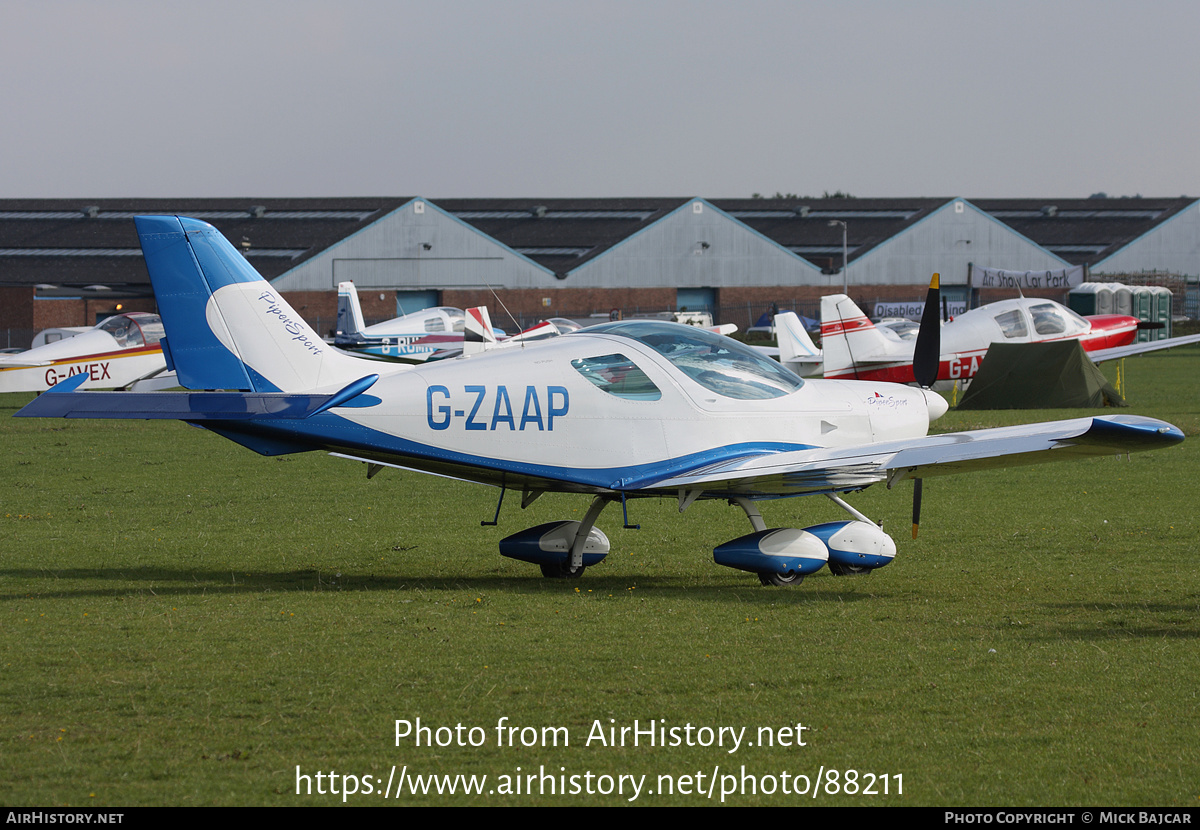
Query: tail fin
226	327
349	314
795	346
478	335
849	339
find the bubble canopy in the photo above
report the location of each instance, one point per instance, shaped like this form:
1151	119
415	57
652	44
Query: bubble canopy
717	363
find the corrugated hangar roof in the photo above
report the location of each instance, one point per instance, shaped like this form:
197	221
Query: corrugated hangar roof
560	234
1083	231
76	242
93	241
803	225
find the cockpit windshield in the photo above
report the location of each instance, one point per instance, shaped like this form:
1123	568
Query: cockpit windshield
1051	318
131	331
717	363
458	319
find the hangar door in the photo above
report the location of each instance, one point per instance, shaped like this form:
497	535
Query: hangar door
408	302
696	299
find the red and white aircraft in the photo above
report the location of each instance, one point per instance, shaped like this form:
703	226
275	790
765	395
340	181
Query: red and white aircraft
855	348
119	352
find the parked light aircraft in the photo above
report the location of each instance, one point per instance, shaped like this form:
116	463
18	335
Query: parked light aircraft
480	336
115	354
618	411
489	339
406	338
852	347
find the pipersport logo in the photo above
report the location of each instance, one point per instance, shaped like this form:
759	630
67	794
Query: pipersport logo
879	401
296	328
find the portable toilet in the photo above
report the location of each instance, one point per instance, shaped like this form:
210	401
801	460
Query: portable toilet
1142	301
1091	298
1123	300
1161	311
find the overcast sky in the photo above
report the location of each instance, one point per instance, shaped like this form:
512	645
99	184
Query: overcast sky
557	98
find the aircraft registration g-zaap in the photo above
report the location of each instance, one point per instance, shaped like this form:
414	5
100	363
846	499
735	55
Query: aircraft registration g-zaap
617	411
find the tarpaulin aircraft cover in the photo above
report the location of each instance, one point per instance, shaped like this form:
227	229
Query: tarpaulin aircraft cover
1054	375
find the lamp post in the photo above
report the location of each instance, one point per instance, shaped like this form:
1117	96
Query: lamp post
845	269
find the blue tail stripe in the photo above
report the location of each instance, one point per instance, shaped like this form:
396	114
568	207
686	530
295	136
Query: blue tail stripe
220	262
184	273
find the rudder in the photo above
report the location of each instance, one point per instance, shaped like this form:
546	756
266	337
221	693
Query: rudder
849	339
350	323
795	346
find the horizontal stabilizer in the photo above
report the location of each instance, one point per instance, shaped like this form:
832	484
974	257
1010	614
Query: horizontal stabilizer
60	402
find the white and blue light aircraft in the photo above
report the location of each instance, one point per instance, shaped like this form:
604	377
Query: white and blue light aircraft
615	412
412	338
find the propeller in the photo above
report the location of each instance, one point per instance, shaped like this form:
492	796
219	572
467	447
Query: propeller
927	357
928	352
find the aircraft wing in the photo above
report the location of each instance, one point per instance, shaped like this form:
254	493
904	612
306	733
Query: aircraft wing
848	468
1101	355
19	361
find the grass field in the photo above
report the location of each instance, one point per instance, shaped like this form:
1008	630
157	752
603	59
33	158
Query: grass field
187	623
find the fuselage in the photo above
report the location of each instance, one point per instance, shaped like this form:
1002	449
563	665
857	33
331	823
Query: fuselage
611	408
966	338
412	338
114	354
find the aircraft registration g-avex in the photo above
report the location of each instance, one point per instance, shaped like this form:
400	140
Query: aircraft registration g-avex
617	411
119	352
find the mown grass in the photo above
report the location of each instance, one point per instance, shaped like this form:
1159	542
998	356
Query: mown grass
186	622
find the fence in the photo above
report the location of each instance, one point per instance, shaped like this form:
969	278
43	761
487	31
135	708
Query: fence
17	338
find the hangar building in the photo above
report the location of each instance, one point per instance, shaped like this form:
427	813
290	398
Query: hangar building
72	262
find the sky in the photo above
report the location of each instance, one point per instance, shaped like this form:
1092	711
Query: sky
558	98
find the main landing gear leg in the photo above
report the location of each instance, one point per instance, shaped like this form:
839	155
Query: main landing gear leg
573	568
751	511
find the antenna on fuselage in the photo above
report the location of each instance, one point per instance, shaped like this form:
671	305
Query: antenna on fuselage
516	325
